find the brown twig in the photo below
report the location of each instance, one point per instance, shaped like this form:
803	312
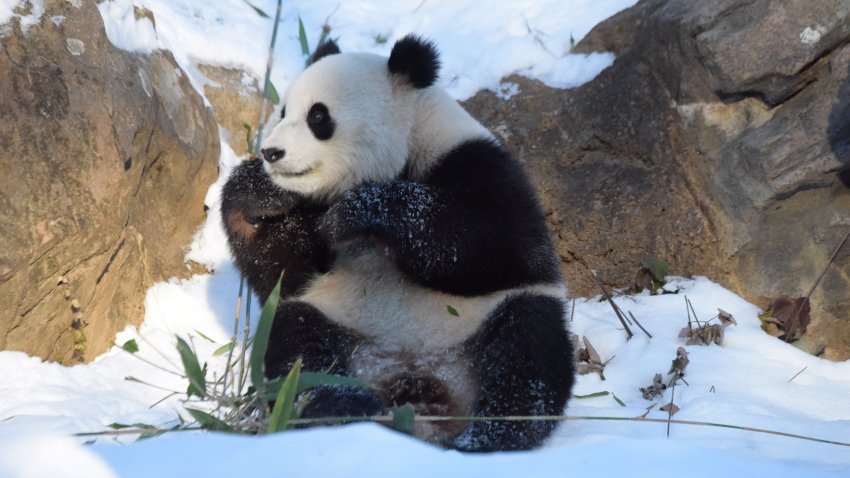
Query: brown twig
573	310
670	409
802	303
828	263
638	324
798	373
689	304
607	296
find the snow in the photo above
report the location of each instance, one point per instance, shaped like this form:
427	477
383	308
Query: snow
7	12
480	44
745	382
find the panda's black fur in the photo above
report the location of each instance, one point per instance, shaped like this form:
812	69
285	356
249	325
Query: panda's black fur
469	226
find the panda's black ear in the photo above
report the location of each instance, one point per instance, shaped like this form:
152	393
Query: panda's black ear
416	59
328	47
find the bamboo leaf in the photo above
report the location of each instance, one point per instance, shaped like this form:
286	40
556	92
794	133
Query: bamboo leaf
657	267
121	426
204	336
209	422
197	380
282	411
404	418
257	9
271	93
310	380
452	311
618	400
592	395
261	338
302	38
224	349
131	346
314	379
249	138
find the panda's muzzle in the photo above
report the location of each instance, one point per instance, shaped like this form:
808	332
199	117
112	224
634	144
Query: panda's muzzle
272	155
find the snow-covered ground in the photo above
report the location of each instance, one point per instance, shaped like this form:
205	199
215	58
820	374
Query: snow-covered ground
751	380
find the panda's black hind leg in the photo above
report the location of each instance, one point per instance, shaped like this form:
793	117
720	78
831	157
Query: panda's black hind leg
301	331
342	401
523	360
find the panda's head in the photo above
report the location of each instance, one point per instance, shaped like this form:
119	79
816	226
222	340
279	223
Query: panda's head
356	117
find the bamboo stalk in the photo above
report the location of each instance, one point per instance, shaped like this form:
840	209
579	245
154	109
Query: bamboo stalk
510	418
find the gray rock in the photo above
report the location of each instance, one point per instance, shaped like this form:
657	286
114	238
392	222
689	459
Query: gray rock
718	141
105	158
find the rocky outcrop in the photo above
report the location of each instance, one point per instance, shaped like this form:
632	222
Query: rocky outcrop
236	98
105	158
718	141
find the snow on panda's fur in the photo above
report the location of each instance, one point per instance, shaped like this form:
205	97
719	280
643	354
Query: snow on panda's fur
415	252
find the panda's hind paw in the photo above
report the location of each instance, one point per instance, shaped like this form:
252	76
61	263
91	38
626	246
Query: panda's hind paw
342	401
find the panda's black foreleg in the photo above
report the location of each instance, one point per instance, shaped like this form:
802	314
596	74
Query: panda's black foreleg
270	231
443	239
524	364
302	331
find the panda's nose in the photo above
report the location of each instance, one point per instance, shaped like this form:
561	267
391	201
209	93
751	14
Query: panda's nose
272	154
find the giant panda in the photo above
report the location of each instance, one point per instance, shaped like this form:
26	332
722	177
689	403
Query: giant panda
414	253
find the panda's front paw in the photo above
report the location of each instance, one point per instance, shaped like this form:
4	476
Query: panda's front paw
249	197
355	214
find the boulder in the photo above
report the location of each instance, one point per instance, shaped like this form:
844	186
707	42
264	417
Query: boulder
719	141
236	98
105	158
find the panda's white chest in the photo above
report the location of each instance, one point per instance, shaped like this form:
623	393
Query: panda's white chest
365	292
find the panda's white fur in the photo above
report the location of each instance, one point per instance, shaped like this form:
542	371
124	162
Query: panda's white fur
382	125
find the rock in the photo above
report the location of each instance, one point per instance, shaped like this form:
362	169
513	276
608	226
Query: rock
105	158
718	141
236	97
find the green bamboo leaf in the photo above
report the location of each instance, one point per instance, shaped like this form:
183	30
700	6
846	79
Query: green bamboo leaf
618	400
310	380
271	92
282	411
209	422
121	426
257	9
657	267
452	311
224	349
592	395
204	336
197	380
131	346
404	418
261	338
249	139
314	379
302	38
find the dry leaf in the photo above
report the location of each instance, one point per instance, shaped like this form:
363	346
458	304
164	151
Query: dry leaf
726	318
670	408
588	358
587	368
792	314
592	354
657	388
679	363
707	333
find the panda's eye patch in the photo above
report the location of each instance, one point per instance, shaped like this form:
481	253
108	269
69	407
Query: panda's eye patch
283	112
320	122
318	114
